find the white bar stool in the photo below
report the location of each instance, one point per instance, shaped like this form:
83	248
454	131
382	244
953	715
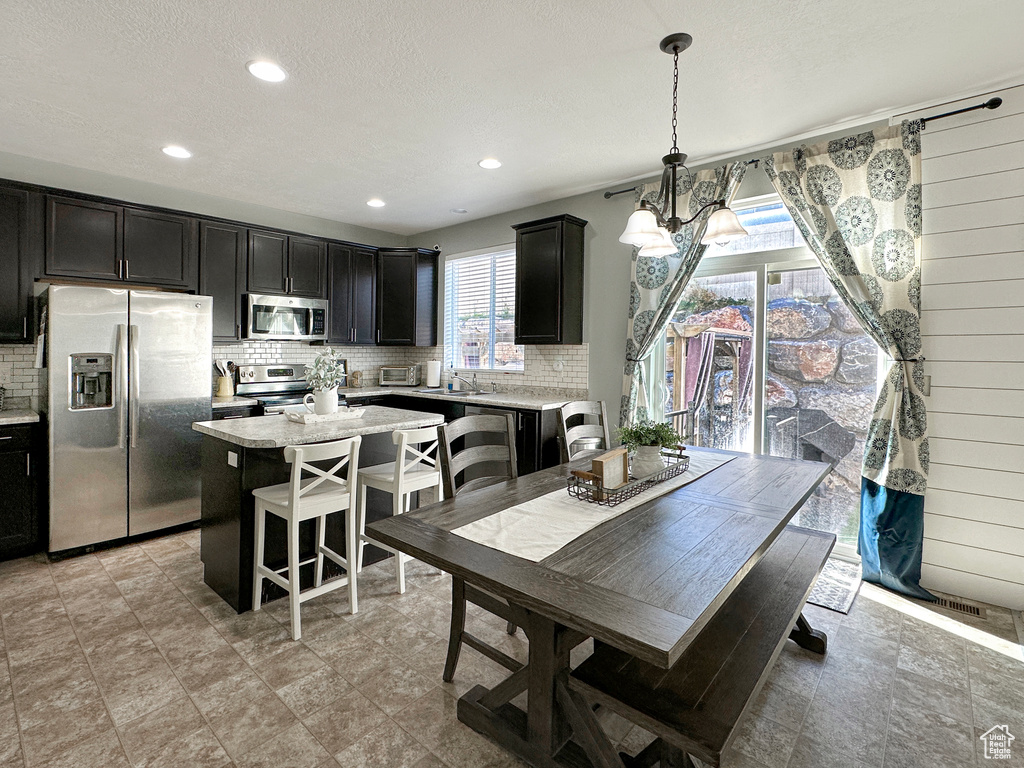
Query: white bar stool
305	499
412	470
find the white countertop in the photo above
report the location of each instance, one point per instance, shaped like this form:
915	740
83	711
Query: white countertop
277	431
233	402
496	400
18	416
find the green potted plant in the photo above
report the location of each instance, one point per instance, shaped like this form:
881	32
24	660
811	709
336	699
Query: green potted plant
325	375
646	438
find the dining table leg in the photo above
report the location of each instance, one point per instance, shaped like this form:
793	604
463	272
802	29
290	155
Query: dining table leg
542	731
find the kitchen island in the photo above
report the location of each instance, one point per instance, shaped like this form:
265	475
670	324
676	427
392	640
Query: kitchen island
240	455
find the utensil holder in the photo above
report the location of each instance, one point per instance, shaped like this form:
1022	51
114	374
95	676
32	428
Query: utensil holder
225	386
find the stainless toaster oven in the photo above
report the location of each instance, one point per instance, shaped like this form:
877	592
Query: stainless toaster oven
400	376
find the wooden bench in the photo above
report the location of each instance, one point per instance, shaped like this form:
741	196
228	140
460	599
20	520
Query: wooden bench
694	707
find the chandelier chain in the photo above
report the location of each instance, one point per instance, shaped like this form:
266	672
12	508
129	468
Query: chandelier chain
675	99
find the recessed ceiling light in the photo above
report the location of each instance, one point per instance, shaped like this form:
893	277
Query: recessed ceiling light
266	70
459	210
375	202
175	151
489	163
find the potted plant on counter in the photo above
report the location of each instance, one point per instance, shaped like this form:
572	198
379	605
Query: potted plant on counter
325	375
646	438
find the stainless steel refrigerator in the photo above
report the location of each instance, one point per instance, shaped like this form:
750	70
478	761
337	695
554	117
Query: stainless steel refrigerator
127	374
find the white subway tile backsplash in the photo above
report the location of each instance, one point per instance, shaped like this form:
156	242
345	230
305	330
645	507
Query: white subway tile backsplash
539	360
24	380
22	389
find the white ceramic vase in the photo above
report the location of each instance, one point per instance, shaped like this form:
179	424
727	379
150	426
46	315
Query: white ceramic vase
647	460
325	401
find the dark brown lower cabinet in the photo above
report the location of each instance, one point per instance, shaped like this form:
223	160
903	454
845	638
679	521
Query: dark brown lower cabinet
19	518
237	412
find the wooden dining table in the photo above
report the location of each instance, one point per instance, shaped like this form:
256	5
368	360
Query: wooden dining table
646	581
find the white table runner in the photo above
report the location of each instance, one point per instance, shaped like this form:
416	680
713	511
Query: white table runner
542	526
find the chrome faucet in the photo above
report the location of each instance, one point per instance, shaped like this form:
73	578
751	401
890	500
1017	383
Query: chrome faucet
470	384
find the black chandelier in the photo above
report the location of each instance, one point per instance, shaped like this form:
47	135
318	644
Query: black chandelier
651	226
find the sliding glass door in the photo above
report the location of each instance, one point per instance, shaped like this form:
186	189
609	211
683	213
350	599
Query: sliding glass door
762	356
820	384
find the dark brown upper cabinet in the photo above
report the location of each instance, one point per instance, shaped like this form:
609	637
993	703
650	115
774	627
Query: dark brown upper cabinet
84	239
158	248
549	281
352	291
15	266
222	275
268	262
407	297
307	267
279	264
100	241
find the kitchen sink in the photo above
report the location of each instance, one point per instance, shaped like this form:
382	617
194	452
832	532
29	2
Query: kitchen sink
450	393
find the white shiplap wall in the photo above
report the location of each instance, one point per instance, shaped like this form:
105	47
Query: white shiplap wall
973	326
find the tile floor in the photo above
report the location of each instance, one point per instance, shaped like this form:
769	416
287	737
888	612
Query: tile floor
125	658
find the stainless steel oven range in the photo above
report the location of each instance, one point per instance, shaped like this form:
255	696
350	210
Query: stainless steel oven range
278	388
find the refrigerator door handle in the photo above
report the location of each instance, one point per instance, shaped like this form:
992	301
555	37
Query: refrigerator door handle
121	391
133	343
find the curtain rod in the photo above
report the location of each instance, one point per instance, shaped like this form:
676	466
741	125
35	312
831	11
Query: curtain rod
993	103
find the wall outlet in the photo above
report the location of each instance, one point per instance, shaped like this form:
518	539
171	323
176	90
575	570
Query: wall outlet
6	372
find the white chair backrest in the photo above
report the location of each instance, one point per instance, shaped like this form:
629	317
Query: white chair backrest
301	456
408	456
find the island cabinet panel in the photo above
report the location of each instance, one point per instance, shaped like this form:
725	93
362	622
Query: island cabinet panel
230	474
352	292
407	297
84	239
222	275
159	248
19	523
268	262
549	281
16	266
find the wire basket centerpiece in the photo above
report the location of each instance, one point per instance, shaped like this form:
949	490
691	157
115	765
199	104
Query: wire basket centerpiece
588	486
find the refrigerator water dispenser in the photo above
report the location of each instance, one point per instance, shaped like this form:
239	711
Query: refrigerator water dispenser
91	383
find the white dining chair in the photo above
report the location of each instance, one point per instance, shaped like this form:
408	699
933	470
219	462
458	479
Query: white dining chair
415	468
311	494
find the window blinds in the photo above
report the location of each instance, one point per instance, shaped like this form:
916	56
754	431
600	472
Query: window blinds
480	313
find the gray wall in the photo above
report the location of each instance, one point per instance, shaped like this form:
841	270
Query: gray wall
606	274
42	172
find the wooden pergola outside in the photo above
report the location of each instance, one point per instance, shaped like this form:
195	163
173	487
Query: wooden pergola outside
694	353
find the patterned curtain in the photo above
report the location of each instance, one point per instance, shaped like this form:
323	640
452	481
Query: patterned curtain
857	202
658	281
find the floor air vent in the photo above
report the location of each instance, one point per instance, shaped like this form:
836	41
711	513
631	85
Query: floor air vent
959	607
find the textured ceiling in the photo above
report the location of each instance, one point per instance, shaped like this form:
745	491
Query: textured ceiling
400	100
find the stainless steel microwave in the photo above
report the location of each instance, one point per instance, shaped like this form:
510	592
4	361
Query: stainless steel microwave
286	317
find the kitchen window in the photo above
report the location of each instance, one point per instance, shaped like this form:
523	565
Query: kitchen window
479	316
